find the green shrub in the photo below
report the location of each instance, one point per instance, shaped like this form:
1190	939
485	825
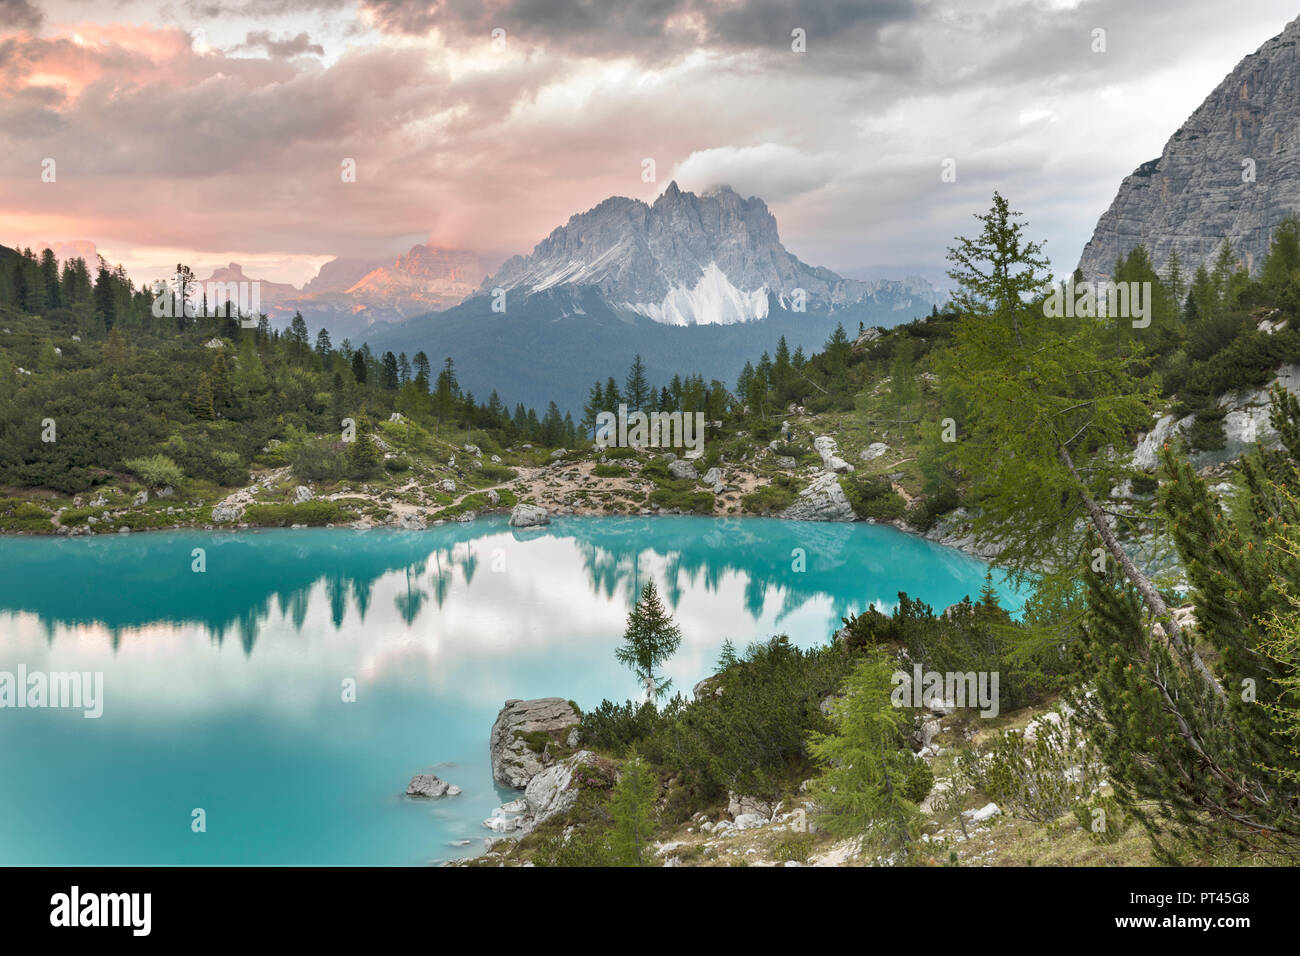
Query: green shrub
615	727
925	511
1103	818
682	496
793	848
873	497
156	471
773	498
919	781
1038	780
498	473
969	636
1145	485
19	515
1206	432
610	471
317	512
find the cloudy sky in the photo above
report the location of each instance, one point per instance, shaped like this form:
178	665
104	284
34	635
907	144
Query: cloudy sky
211	131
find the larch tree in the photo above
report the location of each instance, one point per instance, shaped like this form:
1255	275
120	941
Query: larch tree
1049	409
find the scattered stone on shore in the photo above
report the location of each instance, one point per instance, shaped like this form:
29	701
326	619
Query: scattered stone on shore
683	470
231	508
823	500
301	494
529	516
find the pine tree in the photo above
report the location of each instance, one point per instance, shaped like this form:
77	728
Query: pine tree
201	403
631	806
593	406
649	640
50	279
1210	766
297	336
105	301
613	397
423	372
391	373
903	391
446	391
782	372
636	389
362	453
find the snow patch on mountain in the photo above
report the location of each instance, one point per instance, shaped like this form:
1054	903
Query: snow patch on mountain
712	301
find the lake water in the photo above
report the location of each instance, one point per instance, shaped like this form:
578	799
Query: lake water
223	690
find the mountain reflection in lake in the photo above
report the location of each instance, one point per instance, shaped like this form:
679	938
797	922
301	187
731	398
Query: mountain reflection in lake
222	688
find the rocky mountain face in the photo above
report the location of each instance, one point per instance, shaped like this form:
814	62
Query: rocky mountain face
272	293
426	278
339	275
1232	171
687	259
349	295
691	283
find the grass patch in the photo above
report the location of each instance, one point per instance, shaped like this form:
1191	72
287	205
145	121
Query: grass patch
773	498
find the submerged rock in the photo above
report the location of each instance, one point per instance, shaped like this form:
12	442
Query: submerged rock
427	785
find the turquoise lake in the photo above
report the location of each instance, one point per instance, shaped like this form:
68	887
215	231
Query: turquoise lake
223	690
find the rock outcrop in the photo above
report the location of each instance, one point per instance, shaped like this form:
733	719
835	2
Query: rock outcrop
829	450
231	508
523	736
551	792
823	500
529	516
683	470
1230	172
874	451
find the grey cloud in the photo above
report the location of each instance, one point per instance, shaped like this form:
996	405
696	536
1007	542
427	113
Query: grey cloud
656	30
20	15
280	49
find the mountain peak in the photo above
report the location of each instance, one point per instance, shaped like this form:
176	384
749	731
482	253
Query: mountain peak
1227	173
687	259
